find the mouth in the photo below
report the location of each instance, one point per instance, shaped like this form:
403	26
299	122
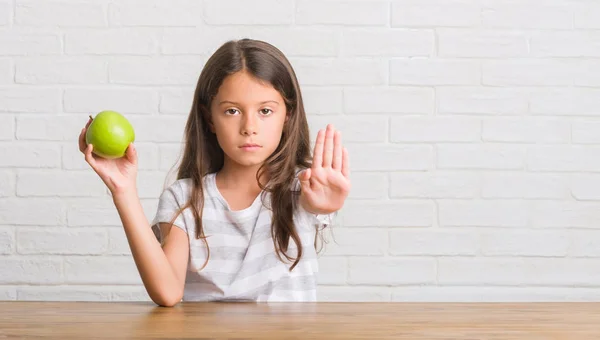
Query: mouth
250	145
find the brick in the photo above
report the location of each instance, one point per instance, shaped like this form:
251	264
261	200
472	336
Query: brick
354	129
566	101
126	101
322	100
438	184
395	213
176	101
356	13
239	12
62	241
31	270
64	14
63	293
6	68
129	293
30	100
117	242
19	42
524	185
564	158
202	41
525	243
386	42
159	129
533	72
385	100
564	214
350	242
384	271
97	212
433	242
166	70
7	127
29	155
478	43
169	155
580	43
480	156
526	130
49	127
435	129
517	15
377	157
482	213
111	41
584	243
519	271
585	73
48	211
8	293
462	294
151	183
482	101
434	72
586	15
585	186
353	294
7	241
436	13
101	270
300	41
6	10
54	183
326	72
73	159
332	270
155	13
7	183
368	185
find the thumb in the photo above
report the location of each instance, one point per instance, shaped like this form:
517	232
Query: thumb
304	178
131	154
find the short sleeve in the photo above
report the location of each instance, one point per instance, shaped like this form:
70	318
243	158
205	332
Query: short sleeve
169	204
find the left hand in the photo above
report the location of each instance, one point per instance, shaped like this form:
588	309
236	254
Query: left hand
326	184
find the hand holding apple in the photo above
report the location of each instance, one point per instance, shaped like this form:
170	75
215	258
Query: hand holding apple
107	143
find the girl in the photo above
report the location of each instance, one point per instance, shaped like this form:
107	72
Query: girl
242	218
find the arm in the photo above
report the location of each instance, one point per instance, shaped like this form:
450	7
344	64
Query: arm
162	269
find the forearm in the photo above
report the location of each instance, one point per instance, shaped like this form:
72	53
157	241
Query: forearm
155	270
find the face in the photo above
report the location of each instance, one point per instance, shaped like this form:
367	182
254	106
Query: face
247	117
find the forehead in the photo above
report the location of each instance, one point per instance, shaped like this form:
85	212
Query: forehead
241	87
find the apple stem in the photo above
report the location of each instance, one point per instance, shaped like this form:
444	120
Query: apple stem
91	117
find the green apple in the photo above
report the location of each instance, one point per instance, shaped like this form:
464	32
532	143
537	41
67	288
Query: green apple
110	133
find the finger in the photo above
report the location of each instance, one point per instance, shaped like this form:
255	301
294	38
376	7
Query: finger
337	150
89	122
82	145
89	157
328	147
346	163
318	153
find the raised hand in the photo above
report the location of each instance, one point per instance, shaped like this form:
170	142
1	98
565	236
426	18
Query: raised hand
326	184
119	175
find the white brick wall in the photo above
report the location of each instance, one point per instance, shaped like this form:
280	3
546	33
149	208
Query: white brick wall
473	128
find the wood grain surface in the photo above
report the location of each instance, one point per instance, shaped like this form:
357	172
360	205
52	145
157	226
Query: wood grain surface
144	320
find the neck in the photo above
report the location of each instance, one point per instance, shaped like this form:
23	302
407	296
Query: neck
239	177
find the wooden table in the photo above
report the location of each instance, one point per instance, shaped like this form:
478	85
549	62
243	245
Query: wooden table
141	320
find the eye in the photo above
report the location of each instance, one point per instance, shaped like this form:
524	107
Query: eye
266	112
228	111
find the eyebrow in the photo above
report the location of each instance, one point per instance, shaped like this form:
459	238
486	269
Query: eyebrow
234	103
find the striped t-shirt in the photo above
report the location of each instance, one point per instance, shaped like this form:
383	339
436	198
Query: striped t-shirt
243	264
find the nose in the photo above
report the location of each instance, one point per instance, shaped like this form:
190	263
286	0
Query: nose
249	125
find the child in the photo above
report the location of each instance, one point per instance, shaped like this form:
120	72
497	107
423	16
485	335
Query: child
240	222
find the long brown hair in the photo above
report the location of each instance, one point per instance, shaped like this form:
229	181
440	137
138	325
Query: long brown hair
203	155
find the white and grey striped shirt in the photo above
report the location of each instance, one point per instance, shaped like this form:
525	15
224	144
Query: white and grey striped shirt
243	264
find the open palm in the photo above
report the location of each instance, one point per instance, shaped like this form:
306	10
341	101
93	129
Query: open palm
117	174
326	184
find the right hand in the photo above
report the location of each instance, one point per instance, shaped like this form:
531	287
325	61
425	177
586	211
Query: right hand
119	174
